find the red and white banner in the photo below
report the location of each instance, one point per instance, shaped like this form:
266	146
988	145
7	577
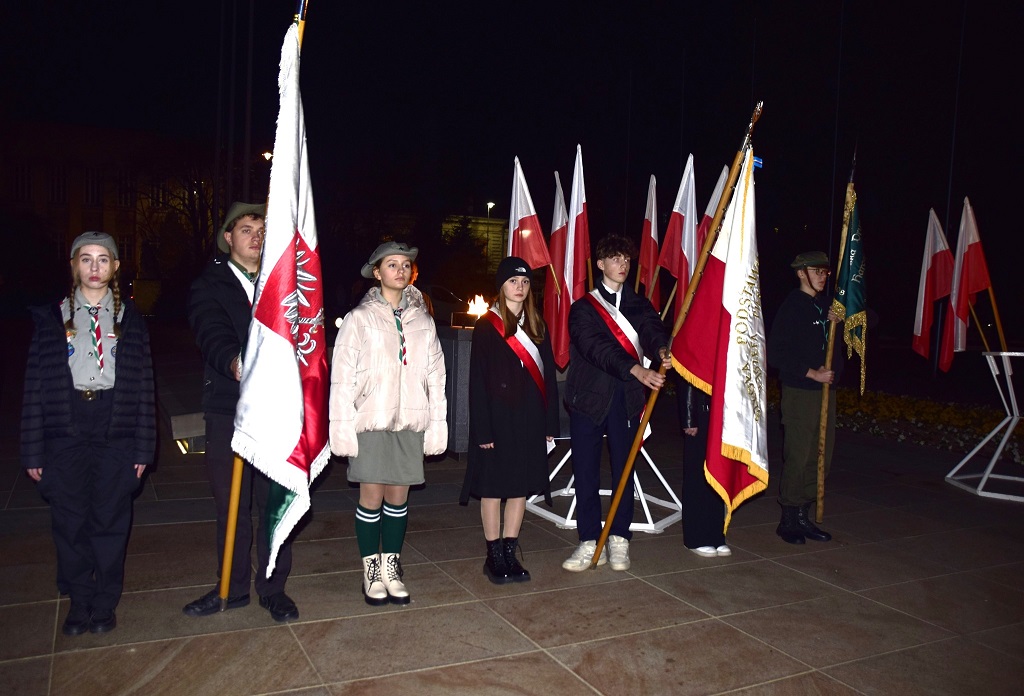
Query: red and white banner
556	295
970	276
647	264
281	418
679	249
935	282
709	213
721	350
525	238
577	241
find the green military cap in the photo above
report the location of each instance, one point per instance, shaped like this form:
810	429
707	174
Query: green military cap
810	259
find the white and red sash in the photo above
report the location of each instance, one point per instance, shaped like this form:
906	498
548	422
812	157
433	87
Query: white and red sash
620	327
525	349
623	332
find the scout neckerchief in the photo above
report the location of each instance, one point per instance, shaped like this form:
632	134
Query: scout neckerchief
246	278
96	334
525	350
401	335
617	323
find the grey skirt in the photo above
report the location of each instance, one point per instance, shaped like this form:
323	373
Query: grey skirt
392	458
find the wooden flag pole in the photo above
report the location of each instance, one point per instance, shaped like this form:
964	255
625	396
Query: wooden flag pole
999	323
236	471
823	416
554	276
981	329
668	304
698	273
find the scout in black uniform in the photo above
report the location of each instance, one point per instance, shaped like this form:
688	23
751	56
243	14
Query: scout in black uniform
88	427
796	347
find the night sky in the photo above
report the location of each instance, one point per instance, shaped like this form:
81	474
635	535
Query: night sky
416	107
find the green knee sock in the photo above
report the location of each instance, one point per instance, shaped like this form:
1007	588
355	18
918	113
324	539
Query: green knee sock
368	530
392	527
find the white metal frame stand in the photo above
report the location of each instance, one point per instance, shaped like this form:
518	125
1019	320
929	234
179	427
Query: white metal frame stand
1009	399
651	525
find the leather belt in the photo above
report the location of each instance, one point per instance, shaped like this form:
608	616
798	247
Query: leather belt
91	394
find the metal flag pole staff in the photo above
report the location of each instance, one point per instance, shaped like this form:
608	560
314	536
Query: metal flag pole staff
698	272
239	463
851	200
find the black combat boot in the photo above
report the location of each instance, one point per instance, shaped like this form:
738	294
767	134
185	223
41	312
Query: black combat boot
516	571
808	527
495	567
789	527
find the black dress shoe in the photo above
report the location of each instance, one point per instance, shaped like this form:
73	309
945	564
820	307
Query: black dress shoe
280	606
77	621
102	621
209	603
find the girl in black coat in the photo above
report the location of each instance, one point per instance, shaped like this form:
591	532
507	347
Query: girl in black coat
513	408
88	428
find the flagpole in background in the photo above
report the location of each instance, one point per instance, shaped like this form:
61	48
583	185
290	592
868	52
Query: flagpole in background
691	289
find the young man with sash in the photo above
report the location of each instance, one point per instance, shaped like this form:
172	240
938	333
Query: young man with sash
611	330
513	409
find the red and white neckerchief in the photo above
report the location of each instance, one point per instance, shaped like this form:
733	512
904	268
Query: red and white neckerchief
96	334
525	349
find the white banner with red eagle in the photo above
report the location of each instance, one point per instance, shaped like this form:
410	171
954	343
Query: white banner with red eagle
281	421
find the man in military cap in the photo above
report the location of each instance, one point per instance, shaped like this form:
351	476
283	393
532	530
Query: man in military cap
219	311
796	347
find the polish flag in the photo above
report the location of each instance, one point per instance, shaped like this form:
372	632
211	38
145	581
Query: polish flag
679	250
970	276
935	282
647	264
556	295
577	241
709	213
525	238
720	349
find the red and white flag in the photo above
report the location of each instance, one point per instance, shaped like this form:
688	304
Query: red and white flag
281	423
970	276
525	238
679	250
647	264
935	282
577	241
556	294
709	213
721	350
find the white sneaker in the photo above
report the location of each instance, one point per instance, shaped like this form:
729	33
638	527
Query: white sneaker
581	557
723	550
706	551
618	552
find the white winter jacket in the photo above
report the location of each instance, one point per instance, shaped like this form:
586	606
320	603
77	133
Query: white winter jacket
371	390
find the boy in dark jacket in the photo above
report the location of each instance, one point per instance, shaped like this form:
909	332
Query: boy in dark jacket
796	347
219	310
611	329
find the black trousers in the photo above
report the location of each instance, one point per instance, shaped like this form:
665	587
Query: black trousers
703	509
586	438
219	464
89	482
